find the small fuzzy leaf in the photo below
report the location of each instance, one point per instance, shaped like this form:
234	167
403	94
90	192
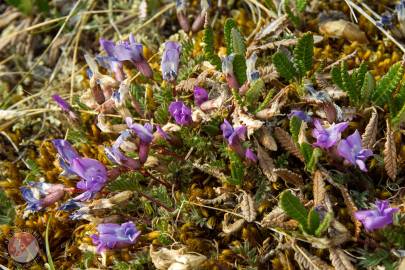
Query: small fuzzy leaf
306	151
370	134
237	168
324	225
266	163
303	53
239	68
229	229
293	207
359	75
349	84
367	88
229	24
295	126
337	77
308	261
340	260
313	161
313	221
387	84
390	153
253	94
301	5
287	142
238	42
284	66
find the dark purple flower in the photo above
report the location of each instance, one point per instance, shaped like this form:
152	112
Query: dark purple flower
128	51
378	217
180	112
145	135
200	95
301	115
170	61
111	63
64	105
328	137
249	154
111	235
234	137
93	175
351	150
39	195
227	70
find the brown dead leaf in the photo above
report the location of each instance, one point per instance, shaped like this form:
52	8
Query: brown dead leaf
318	188
343	29
276	218
340	260
248	207
284	138
390	153
241	118
231	228
370	134
277	103
276	25
266	139
290	177
266	163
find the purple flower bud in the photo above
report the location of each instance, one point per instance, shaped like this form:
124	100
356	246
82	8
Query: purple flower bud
227	69
39	195
251	71
170	61
328	137
145	136
65	150
249	154
111	235
64	105
180	112
351	150
163	133
117	157
128	51
301	115
93	174
234	137
200	95
112	64
378	217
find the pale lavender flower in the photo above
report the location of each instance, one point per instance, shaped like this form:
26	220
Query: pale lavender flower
66	154
328	137
145	135
128	51
301	115
378	217
112	63
65	106
112	236
227	70
116	156
234	137
39	195
200	95
180	112
170	60
351	150
251	72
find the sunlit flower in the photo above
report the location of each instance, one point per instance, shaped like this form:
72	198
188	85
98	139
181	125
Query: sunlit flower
251	71
66	154
328	137
170	60
64	105
112	236
180	112
39	195
145	135
200	95
235	137
351	150
227	70
378	217
111	63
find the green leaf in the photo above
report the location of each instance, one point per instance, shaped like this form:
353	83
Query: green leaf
301	5
229	24
127	181
295	126
337	77
284	66
303	54
238	42
306	151
349	84
395	235
254	92
239	68
324	225
311	165
399	118
47	246
359	75
266	101
293	207
208	48
293	18
313	221
7	210
367	88
387	84
237	169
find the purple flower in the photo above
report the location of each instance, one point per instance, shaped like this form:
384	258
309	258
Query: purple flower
93	175
301	115
145	135
170	61
39	195
251	72
351	150
113	64
111	235
181	15
227	70
200	95
378	217
234	137
64	105
328	137
128	51
66	154
116	156
180	112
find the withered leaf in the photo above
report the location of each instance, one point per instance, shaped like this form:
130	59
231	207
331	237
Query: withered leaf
287	142
318	188
241	118
217	200
343	29
277	103
231	228
215	172
272	27
352	209
266	163
290	177
308	261
370	134
390	153
165	259
275	218
266	139
248	207
340	260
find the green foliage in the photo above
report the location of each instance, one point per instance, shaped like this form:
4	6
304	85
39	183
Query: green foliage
376	257
293	18
303	54
29	6
7	211
311	164
76	136
237	169
35	171
387	84
301	5
254	92
284	66
237	97
238	42
295	126
368	87
313	221
398	108
266	101
324	225
307	151
293	207
208	47
239	68
127	181
395	235
229	25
